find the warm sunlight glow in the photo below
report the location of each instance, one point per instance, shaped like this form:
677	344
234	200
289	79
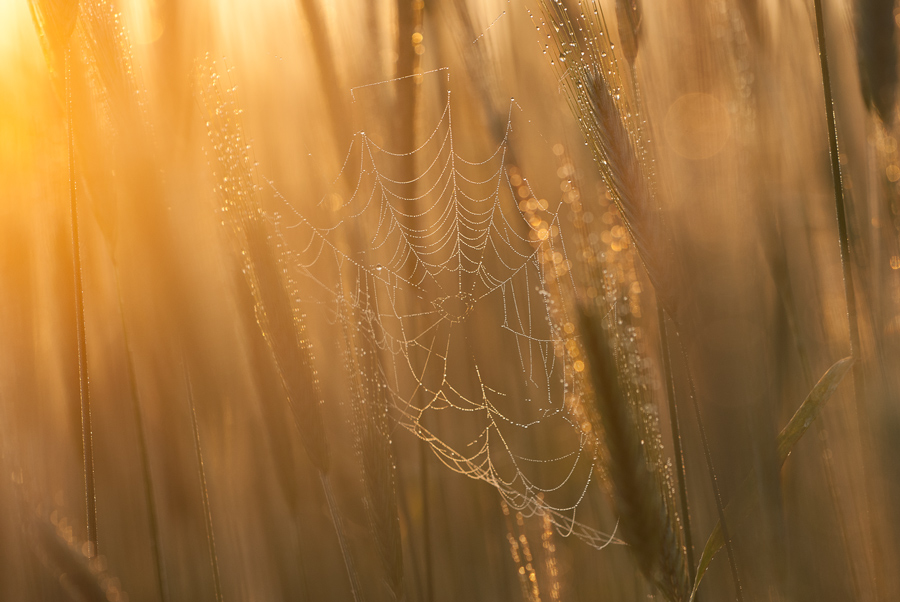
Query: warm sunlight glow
449	300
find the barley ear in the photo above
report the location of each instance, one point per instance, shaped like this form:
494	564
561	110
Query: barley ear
629	18
54	21
645	522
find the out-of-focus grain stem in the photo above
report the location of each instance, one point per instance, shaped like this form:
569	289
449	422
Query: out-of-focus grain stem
847	267
87	436
676	443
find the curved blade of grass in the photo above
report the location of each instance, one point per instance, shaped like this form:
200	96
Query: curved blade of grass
787	438
809	409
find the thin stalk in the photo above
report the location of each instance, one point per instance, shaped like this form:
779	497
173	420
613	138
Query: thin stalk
87	441
670	381
204	492
328	73
153	517
355	587
720	507
346	553
839	203
859	388
426	520
301	562
676	443
359	398
409	23
411	542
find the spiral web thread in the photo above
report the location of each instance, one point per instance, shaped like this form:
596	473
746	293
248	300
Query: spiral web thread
419	266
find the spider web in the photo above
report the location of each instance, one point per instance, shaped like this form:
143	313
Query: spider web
437	264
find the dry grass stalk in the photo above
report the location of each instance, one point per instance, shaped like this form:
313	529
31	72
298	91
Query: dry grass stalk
677	449
328	73
408	90
720	504
204	492
55	22
842	211
146	474
106	74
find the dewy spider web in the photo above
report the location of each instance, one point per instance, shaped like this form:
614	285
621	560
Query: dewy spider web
419	263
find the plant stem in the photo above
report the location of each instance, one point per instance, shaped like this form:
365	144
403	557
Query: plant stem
840	205
720	507
153	515
355	587
676	443
859	388
204	491
426	519
87	442
410	17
